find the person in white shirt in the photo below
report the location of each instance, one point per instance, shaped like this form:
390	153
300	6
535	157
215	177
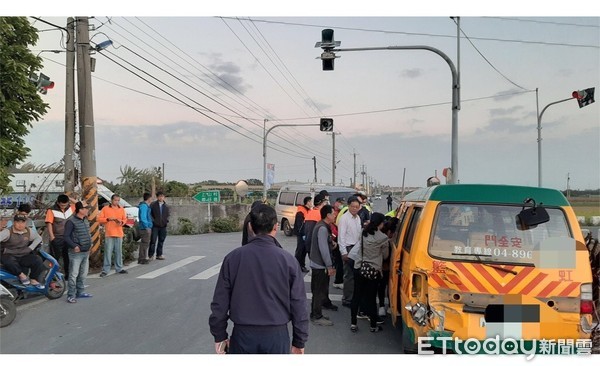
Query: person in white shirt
349	233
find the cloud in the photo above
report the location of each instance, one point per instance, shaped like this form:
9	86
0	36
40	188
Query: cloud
507	94
319	105
565	73
507	125
412	73
505	111
228	74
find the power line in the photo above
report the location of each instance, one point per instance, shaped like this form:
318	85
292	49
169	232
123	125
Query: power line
197	110
211	111
486	60
308	98
546	22
239	93
420	34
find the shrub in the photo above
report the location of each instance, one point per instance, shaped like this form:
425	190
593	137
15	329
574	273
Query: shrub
226	224
186	227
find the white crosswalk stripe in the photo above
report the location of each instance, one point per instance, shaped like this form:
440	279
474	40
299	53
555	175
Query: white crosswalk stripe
204	275
171	267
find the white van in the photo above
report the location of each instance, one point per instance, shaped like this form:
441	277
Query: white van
291	196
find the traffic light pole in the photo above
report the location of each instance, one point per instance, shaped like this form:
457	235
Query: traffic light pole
265	152
455	95
539	140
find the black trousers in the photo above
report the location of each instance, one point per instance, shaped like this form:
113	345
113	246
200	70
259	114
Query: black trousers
365	297
258	339
300	253
381	288
339	265
60	250
319	286
17	265
161	234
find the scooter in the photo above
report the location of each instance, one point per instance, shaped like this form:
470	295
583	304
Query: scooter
8	309
53	281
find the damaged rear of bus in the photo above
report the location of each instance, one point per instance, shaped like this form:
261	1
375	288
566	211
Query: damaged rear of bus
483	262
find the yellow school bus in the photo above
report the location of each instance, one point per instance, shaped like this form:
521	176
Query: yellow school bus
473	263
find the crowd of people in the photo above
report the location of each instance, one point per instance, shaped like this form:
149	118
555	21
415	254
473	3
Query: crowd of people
261	287
70	240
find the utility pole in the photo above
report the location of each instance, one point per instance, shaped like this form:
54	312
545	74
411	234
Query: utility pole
86	129
354	153
315	165
362	172
403	175
163	175
70	108
333	157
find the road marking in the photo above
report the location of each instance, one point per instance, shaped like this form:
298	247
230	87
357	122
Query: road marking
331	297
171	267
208	273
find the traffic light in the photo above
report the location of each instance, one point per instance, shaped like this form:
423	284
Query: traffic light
327	44
41	82
584	97
326	124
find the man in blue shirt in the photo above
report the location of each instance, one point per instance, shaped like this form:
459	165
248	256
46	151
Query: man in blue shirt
145	226
261	288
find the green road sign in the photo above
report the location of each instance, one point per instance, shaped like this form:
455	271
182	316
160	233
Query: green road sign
208	196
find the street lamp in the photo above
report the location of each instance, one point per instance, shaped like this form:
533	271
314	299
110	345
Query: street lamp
588	94
328	45
265	152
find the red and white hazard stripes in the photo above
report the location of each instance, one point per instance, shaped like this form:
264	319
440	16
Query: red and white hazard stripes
480	278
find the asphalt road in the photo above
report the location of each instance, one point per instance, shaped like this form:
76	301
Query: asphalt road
163	308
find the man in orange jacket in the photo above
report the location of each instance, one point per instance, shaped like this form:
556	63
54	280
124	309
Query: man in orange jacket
113	218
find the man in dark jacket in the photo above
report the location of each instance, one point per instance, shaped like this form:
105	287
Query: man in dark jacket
261	288
300	233
160	218
321	263
79	241
56	217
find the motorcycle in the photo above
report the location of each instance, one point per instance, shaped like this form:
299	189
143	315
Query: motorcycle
8	309
53	282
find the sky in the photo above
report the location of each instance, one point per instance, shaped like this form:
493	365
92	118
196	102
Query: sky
235	67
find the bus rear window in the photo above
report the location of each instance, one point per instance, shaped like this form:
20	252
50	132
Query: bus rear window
490	233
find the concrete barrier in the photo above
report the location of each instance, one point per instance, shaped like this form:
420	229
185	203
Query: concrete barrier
581	219
197	213
595	220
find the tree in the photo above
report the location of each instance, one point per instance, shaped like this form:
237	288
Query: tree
20	103
176	189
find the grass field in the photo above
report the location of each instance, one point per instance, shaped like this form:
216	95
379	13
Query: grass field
586	206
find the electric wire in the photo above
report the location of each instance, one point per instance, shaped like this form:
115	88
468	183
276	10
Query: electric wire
488	61
145	59
420	34
197	110
252	121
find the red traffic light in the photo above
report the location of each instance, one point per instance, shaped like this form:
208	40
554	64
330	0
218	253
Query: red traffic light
579	94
